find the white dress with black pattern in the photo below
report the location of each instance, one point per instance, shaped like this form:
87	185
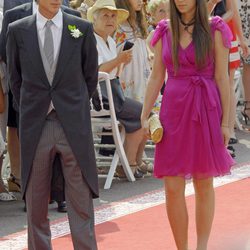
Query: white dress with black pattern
244	9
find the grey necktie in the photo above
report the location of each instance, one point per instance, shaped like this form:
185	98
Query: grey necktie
48	43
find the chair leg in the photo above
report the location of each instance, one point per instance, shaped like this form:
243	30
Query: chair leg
111	172
119	141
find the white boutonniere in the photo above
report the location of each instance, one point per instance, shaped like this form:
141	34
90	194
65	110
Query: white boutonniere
76	33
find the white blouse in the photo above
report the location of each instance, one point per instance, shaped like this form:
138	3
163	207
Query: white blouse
106	52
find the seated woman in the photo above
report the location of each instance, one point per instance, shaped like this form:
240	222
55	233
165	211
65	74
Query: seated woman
105	17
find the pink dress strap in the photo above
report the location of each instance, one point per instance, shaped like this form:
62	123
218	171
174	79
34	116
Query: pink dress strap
159	32
217	23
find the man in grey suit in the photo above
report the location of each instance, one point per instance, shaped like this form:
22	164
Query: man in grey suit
53	68
16	13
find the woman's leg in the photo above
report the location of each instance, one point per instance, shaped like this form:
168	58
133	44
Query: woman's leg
204	196
14	155
132	143
177	210
246	85
140	151
4	194
14	151
2	187
232	109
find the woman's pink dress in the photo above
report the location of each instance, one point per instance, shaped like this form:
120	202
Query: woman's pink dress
192	144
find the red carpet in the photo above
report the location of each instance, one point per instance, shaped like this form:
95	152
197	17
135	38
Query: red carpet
149	228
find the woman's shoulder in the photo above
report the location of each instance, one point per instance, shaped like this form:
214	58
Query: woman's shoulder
163	25
218	24
161	29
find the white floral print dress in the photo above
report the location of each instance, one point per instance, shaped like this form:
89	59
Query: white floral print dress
135	74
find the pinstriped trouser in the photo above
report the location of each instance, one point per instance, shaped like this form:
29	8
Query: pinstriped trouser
78	195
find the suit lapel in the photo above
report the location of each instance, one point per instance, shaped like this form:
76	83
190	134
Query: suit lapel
68	44
30	38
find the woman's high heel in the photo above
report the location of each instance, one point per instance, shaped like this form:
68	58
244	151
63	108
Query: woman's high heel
243	112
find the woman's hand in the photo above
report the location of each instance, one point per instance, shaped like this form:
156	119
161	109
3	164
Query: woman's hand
225	134
145	127
125	56
244	49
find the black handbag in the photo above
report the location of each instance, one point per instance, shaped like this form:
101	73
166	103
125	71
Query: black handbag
117	93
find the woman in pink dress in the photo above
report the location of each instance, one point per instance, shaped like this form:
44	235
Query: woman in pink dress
194	112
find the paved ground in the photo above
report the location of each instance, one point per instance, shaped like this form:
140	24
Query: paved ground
13	219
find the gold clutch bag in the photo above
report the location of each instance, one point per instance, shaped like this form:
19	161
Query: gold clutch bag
155	128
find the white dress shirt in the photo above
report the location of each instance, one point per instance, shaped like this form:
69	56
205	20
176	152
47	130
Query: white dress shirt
56	30
106	52
1	14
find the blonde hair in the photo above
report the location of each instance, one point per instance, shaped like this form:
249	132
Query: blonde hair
153	5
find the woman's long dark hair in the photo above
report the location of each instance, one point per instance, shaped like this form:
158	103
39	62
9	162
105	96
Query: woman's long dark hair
136	18
201	33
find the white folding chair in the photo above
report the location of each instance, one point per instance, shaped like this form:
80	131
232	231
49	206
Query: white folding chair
107	118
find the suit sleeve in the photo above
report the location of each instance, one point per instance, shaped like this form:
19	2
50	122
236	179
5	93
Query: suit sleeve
13	66
3	36
90	60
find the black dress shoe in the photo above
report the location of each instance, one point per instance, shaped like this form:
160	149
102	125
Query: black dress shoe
233	141
62	207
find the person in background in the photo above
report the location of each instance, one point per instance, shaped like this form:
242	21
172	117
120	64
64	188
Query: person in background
57	193
4	194
244	9
158	10
195	109
42	52
134	75
105	17
74	4
228	10
84	7
211	5
10	4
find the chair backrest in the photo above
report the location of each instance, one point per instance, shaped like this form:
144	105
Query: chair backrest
104	78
